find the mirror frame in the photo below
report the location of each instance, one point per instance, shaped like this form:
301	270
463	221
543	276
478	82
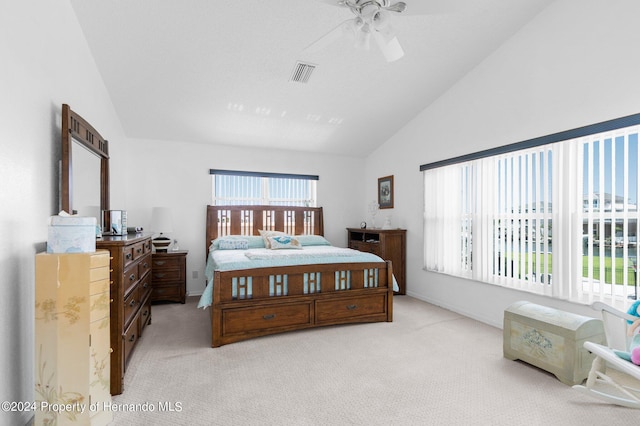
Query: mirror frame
76	129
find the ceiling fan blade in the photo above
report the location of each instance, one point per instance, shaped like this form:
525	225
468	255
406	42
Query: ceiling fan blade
331	37
390	47
416	7
397	7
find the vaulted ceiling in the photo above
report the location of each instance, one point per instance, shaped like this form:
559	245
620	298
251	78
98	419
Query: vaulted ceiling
220	71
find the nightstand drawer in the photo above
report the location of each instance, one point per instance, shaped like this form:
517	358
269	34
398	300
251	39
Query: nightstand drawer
167	262
167	275
165	292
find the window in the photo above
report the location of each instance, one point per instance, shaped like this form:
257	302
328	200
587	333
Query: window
246	188
555	215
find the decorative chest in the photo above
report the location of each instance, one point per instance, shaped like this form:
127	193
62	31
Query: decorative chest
551	339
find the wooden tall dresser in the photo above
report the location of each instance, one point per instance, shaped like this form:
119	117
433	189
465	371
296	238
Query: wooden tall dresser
72	353
389	244
130	295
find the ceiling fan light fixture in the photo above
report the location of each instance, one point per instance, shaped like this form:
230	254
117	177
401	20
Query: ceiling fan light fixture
381	20
391	48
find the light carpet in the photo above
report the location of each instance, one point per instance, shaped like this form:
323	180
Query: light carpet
429	366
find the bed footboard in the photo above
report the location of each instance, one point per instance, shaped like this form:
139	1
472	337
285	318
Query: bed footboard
258	302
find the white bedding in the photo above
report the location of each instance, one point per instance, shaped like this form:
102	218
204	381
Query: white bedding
227	260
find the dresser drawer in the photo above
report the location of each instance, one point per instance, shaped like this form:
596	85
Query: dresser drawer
130	337
145	265
366	247
139	250
268	317
329	310
145	315
127	255
130	278
131	303
145	287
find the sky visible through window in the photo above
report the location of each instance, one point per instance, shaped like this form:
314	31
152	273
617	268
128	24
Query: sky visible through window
614	152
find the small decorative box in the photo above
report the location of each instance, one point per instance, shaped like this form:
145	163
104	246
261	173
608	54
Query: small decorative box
71	234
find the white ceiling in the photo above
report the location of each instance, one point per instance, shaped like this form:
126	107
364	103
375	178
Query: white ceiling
214	71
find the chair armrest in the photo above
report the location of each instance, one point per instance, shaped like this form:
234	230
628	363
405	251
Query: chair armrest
599	306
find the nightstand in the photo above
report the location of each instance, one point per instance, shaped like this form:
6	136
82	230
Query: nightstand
169	276
389	244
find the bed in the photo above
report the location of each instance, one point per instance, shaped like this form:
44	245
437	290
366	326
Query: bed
254	290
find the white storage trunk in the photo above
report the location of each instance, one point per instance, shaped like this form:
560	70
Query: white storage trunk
551	339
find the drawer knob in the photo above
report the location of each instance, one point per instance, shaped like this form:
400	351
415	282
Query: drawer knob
159	275
132	277
133	302
269	316
132	338
128	256
159	262
352	307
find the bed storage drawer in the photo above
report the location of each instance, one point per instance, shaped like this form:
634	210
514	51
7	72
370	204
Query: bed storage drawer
243	320
332	310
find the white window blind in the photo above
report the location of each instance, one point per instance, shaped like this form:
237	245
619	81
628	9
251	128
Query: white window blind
558	219
251	188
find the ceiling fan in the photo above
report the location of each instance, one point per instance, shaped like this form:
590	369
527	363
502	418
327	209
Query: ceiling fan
372	20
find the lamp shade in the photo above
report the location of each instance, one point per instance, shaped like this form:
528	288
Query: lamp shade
161	220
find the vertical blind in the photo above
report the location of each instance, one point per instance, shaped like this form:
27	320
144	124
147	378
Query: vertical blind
251	188
558	219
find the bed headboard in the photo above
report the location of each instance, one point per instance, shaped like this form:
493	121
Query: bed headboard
247	220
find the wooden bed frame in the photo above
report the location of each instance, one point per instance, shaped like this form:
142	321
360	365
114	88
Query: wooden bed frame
306	296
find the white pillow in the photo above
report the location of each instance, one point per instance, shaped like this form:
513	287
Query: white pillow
280	242
266	234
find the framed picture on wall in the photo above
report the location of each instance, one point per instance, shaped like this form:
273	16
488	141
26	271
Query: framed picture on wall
385	192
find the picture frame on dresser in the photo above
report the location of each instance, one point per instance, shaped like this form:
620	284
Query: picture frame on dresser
385	192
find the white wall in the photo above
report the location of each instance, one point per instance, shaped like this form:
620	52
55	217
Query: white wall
176	174
45	63
575	64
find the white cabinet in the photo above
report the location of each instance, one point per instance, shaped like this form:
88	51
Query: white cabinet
72	339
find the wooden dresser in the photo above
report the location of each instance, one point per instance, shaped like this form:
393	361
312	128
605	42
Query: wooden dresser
389	244
130	298
72	345
169	276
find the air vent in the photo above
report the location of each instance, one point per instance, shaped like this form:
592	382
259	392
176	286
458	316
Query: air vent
302	72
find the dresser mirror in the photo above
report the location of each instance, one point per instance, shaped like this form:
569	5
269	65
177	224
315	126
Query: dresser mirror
85	167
